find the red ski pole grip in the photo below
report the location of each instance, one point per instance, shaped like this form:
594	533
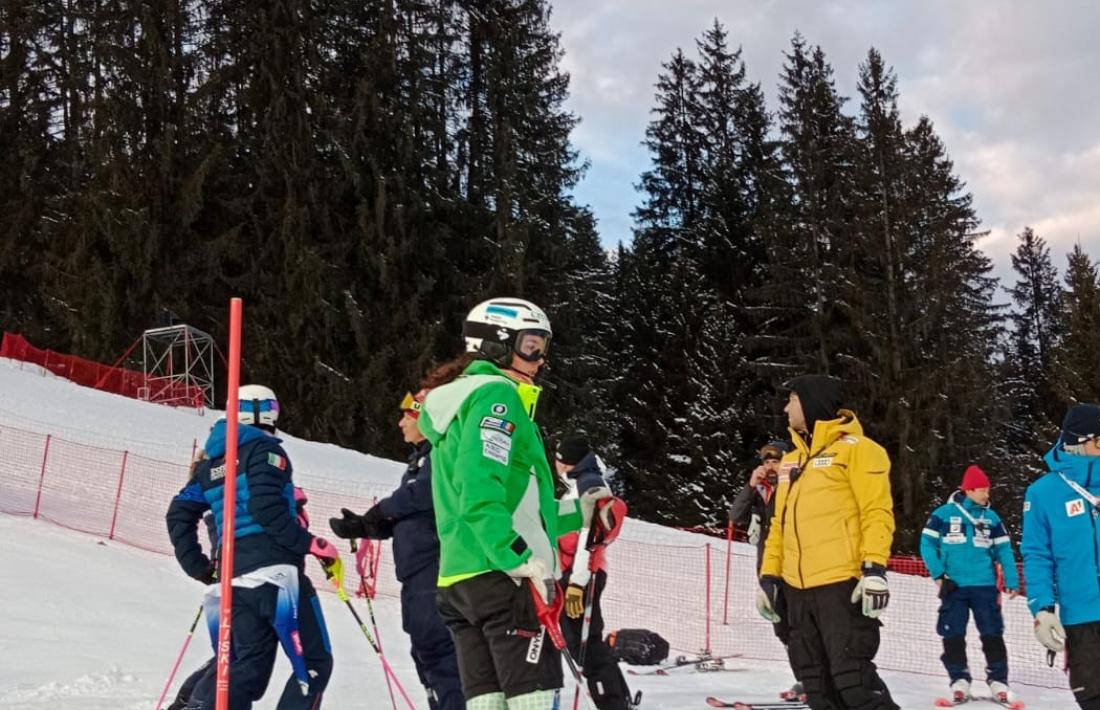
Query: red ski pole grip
548	614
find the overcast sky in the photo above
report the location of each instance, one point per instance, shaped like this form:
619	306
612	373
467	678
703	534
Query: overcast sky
1012	87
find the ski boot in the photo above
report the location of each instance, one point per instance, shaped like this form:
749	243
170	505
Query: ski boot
960	690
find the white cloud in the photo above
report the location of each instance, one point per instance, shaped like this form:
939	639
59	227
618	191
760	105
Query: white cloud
1009	84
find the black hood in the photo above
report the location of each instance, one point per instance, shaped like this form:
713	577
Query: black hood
820	397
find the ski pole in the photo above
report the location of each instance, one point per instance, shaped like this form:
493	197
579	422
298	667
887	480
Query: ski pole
370	609
548	615
179	658
589	590
343	595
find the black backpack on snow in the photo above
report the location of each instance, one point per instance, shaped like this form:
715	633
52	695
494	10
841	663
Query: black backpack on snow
638	647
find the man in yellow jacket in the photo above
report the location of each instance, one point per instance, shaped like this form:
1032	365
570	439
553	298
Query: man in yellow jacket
828	547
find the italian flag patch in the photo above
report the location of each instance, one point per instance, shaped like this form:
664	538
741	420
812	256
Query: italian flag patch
277	461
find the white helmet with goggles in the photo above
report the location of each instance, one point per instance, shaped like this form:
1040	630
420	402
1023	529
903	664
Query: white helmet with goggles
257	405
501	327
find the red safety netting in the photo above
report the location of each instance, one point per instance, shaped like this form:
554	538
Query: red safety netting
89	373
698	595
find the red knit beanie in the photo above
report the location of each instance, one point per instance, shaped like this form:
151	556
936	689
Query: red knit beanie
974	478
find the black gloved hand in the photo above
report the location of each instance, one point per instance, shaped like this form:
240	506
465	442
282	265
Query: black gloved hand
947	586
376	525
349	526
210	576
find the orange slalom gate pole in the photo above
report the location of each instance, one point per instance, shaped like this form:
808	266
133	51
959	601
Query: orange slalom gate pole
225	616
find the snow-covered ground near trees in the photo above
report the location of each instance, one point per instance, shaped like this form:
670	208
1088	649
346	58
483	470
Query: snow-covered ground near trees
89	624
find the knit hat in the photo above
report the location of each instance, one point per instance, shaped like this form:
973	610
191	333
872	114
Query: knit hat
572	448
819	395
974	478
773	450
1082	423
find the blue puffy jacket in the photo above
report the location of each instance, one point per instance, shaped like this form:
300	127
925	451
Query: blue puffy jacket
415	541
950	545
1061	542
266	528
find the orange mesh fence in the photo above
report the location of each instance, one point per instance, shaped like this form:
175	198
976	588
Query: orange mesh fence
699	595
89	373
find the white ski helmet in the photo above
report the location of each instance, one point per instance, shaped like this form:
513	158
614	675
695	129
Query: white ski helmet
494	329
257	405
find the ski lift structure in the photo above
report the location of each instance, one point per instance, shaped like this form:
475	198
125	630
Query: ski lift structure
178	363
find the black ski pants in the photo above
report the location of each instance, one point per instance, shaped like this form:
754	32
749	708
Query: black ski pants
433	649
833	646
501	646
1083	654
600	667
256	644
783	627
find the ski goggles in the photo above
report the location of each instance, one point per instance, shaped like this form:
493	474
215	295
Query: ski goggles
532	345
410	406
529	396
258	406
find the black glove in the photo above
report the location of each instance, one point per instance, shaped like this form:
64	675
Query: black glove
210	576
372	524
348	527
376	525
947	586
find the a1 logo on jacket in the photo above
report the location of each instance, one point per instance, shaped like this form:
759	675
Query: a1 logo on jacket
1075	507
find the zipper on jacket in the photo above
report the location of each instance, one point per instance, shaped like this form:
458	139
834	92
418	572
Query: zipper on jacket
1095	542
797	539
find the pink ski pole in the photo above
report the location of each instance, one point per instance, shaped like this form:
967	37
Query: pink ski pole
179	658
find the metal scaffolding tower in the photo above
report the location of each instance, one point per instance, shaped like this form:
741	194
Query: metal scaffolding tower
178	361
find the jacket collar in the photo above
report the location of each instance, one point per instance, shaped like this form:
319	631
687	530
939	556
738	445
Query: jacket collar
1082	470
828	431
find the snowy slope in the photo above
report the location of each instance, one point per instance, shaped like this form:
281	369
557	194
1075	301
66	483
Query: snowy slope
89	625
94	625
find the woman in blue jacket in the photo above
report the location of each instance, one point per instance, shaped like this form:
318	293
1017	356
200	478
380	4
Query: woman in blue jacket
408	516
961	543
1061	550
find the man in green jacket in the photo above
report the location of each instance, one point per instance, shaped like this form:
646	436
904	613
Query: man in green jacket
496	514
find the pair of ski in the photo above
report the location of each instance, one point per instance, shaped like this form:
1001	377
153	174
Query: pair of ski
702	663
763	705
952	702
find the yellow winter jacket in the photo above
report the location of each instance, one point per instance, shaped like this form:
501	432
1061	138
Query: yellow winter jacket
833	508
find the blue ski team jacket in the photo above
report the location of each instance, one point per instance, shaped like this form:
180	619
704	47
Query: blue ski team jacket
950	545
415	540
266	529
1061	541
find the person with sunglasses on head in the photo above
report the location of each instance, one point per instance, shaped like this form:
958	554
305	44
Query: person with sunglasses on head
752	510
496	513
408	516
1061	550
827	549
274	602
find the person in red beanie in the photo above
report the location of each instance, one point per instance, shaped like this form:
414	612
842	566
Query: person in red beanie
961	545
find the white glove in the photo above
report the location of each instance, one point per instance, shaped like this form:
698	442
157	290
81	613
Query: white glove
539	572
754	530
872	590
765	595
1049	630
588	506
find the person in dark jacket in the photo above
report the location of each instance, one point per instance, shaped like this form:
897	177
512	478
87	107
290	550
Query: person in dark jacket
273	600
408	517
752	511
754	506
581	470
